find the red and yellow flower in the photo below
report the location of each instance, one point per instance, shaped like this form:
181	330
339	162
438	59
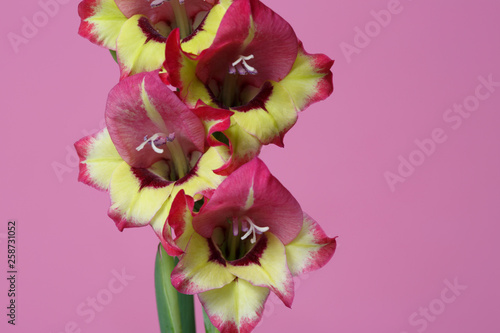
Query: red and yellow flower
137	30
185	161
153	147
256	68
250	238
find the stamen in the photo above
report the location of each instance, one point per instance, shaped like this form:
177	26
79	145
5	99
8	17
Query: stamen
241	70
156	3
242	67
158	139
247	234
252	230
245	226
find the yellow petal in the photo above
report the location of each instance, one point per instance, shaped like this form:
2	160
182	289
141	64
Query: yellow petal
201	268
101	22
265	266
98	159
310	250
140	48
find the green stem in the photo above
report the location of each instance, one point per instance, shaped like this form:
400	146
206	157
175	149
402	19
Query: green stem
181	18
186	306
175	310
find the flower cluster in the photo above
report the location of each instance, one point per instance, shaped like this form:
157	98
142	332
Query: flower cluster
204	84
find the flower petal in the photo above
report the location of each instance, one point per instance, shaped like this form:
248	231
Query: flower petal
265	266
143	105
204	34
181	72
163	12
253	192
140	48
250	28
310	79
244	147
215	120
201	268
311	250
274	110
258	117
200	181
178	230
101	22
176	210
136	195
98	159
236	307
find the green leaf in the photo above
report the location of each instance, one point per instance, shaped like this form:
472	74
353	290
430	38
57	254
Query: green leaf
209	327
113	54
175	310
219	136
198	204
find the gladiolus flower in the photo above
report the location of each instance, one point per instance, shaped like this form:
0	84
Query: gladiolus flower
137	29
153	147
250	238
255	67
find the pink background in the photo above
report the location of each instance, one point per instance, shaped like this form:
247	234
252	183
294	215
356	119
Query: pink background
396	248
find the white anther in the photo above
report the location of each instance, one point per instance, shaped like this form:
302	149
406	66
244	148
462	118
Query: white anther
142	145
253	229
156	149
156	3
